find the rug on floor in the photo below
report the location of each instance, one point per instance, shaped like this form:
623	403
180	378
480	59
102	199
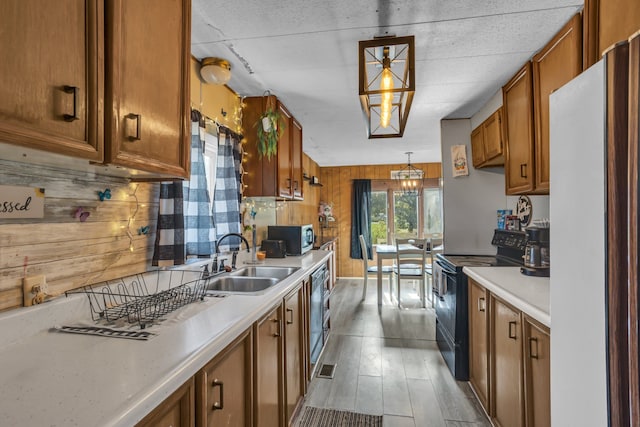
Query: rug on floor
318	417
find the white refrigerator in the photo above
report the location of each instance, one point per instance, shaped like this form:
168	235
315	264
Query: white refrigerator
577	213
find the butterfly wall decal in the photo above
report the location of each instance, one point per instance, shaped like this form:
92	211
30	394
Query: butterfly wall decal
106	194
81	214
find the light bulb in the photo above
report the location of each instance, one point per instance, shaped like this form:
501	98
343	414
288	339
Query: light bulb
386	84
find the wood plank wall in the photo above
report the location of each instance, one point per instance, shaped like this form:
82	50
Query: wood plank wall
337	185
68	252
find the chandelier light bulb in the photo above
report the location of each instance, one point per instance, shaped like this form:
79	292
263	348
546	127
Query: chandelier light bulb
386	84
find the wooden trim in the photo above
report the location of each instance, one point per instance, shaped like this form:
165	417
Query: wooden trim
590	33
634	238
617	66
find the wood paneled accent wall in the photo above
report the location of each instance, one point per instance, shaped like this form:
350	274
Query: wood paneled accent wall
68	252
305	211
337	188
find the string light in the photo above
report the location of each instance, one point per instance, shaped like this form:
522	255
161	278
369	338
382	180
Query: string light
132	218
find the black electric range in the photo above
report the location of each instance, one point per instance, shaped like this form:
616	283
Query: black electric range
452	317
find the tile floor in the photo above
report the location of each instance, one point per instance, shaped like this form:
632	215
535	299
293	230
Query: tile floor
388	363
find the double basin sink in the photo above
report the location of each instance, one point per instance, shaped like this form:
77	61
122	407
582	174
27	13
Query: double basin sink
248	279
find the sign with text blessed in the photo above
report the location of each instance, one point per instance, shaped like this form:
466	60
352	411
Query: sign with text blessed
21	202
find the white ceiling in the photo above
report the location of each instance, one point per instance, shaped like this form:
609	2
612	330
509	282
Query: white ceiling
305	52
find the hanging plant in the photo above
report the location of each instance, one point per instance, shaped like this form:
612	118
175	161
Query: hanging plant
269	128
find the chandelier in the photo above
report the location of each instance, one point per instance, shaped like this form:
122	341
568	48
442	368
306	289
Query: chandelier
386	74
409	178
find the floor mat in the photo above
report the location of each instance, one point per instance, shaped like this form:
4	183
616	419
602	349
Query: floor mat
317	417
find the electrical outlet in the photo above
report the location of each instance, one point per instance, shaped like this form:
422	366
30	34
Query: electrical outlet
34	289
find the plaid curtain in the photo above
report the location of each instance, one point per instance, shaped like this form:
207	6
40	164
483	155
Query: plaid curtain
169	245
185	223
226	199
198	221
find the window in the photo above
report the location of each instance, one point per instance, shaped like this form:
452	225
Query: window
432	213
394	214
379	217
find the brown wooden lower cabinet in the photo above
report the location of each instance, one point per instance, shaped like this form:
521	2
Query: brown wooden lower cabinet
268	370
176	411
259	380
294	340
537	373
509	361
479	342
224	386
506	365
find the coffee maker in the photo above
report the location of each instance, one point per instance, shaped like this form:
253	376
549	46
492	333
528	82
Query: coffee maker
536	252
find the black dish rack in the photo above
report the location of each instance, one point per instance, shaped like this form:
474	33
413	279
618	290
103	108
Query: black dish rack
143	299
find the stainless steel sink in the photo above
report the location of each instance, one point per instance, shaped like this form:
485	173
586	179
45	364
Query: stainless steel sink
240	284
265	271
249	279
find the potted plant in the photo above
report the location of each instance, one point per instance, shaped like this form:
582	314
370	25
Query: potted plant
268	132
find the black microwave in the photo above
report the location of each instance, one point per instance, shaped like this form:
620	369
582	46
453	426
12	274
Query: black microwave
298	238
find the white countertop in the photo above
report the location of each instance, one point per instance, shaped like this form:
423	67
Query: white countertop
59	379
526	293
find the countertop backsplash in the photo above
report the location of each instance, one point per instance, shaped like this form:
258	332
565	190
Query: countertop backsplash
71	253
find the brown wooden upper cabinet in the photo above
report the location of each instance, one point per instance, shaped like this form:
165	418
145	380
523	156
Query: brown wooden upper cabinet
486	142
147	92
517	99
555	65
51	90
607	22
526	109
281	175
112	86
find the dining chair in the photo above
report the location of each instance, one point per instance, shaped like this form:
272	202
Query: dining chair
371	269
413	261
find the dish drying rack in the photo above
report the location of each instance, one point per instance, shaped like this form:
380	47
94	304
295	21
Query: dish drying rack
138	300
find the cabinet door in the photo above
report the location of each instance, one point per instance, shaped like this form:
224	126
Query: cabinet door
294	345
224	386
477	146
506	365
492	128
556	64
296	159
51	90
285	184
175	411
518	131
268	370
479	342
537	374
147	82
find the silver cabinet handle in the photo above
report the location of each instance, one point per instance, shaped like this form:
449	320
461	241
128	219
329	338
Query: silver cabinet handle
220	404
290	310
138	119
279	331
75	91
481	305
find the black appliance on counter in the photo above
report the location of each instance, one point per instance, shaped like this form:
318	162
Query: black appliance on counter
298	238
452	316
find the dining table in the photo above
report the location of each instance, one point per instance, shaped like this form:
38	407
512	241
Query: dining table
389	252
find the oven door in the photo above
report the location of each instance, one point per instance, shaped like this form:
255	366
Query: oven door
452	328
446	302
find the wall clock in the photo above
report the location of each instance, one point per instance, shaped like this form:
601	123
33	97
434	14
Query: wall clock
524	210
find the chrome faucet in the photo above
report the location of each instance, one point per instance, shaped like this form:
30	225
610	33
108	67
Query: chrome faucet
246	242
